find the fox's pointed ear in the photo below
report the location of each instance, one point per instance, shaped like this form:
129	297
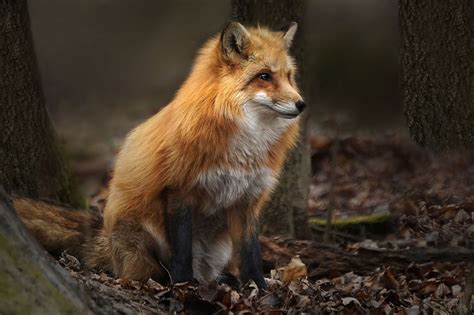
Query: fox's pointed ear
235	41
290	34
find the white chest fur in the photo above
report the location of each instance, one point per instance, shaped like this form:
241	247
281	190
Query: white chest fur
226	187
258	133
259	130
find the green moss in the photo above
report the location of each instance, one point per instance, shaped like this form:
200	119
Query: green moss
12	298
33	292
355	220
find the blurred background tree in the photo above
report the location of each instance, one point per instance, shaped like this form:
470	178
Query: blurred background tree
31	164
437	60
31	161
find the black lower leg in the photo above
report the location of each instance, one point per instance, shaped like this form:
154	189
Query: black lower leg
229	279
180	235
251	262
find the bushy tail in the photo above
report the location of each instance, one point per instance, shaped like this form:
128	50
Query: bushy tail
58	228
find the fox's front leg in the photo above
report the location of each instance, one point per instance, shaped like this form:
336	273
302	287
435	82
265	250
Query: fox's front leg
250	251
251	260
180	236
247	257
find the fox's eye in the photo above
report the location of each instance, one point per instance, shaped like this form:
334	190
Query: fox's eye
265	76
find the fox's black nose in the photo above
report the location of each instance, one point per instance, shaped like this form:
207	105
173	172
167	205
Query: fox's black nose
300	105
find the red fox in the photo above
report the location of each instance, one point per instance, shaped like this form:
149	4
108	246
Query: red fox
189	183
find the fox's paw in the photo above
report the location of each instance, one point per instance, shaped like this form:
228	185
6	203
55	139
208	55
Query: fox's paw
230	280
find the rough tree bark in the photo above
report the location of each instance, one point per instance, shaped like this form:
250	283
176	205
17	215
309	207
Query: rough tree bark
286	213
437	60
31	162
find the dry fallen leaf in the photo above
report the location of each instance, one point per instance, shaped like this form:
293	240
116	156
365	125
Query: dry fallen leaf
462	216
429	287
456	289
348	300
442	290
388	280
303	301
295	270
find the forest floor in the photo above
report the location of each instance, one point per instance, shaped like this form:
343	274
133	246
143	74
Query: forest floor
413	258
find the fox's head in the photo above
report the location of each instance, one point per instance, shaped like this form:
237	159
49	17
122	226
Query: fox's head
257	67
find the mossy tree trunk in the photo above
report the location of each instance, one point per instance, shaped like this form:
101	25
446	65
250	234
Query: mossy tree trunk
30	283
437	60
286	213
31	162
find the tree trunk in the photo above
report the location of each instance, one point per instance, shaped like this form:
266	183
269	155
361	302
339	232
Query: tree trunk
31	161
286	213
30	282
437	60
